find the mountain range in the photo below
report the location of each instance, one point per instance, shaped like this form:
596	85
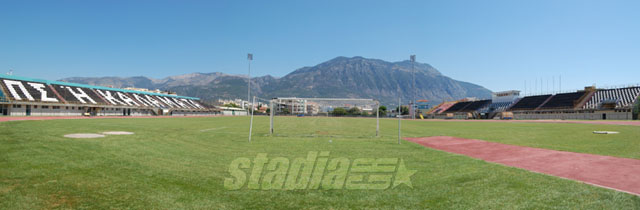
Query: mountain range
341	77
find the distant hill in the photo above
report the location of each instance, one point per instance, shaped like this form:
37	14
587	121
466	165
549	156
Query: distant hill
343	77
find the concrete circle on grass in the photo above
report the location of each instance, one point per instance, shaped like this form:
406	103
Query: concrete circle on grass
84	135
117	133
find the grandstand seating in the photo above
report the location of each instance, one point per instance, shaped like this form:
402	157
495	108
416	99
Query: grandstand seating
474	106
442	107
624	97
28	91
575	105
530	102
39	91
458	106
496	107
564	100
67	95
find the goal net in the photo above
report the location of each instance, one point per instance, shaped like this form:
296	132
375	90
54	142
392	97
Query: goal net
324	117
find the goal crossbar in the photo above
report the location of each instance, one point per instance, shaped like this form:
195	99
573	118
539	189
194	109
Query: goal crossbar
327	99
272	112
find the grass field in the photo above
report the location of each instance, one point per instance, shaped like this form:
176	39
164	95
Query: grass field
182	163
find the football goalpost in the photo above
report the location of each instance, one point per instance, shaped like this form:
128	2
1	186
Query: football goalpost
323	107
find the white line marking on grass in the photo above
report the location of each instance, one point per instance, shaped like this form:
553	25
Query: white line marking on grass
213	129
117	133
84	135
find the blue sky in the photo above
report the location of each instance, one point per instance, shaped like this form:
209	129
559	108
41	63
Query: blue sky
496	44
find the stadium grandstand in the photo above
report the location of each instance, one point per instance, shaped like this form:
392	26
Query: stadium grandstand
475	106
496	107
20	96
564	100
458	107
590	103
500	102
622	97
530	102
471	108
465	109
442	107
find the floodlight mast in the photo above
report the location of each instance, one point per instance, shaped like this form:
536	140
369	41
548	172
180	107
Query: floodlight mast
413	101
377	118
250	107
251	122
249	58
271	112
399	115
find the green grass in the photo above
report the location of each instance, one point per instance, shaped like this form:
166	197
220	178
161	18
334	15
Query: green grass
182	162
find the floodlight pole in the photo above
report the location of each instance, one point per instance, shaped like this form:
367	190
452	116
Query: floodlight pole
399	119
250	58
377	118
271	117
413	102
251	123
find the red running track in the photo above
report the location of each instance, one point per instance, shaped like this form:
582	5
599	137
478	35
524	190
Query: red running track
596	122
622	174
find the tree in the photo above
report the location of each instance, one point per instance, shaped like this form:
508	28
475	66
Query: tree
382	110
285	111
405	110
231	105
353	111
339	111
